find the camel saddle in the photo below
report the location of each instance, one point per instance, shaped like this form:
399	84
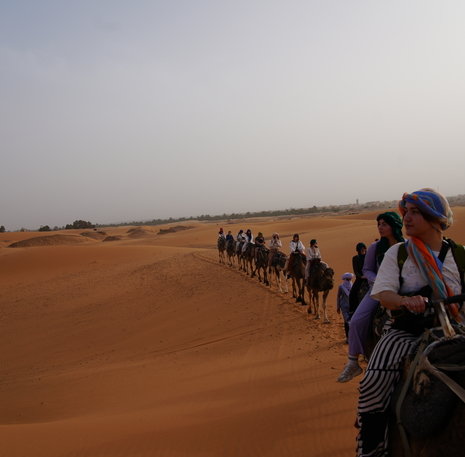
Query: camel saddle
278	258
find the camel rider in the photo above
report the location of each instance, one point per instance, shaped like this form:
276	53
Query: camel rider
240	238
296	247
248	239
274	245
259	243
221	234
229	236
313	255
260	240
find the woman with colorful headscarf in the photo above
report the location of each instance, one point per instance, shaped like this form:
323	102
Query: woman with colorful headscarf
390	232
429	269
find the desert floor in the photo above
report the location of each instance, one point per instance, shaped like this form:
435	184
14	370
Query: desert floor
147	346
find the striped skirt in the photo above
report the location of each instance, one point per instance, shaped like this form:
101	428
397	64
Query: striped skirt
376	388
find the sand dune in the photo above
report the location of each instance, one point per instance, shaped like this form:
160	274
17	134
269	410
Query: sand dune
146	346
48	240
95	234
139	232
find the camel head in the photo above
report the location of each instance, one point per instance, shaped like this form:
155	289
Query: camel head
327	279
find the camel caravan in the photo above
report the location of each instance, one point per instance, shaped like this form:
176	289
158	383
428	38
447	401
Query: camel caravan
269	264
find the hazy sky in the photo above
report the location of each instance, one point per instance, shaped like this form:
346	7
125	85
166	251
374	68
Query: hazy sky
115	111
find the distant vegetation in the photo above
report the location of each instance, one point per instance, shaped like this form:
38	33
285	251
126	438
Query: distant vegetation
458	200
270	213
79	225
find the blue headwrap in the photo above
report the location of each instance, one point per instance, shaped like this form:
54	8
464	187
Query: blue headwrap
430	203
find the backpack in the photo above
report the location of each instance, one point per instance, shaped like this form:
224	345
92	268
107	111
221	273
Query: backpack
458	252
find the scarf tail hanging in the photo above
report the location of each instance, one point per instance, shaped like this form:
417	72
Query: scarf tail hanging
430	268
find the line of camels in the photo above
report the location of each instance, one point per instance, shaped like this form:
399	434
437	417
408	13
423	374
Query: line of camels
253	260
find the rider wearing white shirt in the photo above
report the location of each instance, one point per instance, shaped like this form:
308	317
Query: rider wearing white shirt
296	245
248	239
313	253
275	244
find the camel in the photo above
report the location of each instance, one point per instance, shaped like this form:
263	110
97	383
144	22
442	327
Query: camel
296	269
239	246
231	251
430	402
320	279
221	248
277	267
261	263
248	257
432	414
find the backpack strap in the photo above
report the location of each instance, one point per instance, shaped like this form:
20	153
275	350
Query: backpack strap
458	251
401	258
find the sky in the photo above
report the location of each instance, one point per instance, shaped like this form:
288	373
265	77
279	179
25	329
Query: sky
117	111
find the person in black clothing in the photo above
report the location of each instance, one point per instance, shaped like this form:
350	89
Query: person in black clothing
259	244
360	286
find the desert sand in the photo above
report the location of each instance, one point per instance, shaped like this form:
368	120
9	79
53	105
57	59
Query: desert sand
144	345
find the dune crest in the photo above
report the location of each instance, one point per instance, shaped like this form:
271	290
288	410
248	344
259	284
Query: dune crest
49	240
95	235
140	232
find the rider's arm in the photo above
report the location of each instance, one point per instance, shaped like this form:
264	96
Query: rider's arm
369	265
392	300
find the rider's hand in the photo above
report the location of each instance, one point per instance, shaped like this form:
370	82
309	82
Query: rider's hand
415	304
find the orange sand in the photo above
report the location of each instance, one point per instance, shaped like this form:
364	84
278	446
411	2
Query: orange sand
148	347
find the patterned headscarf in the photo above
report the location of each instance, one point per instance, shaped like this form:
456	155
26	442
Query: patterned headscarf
430	268
429	202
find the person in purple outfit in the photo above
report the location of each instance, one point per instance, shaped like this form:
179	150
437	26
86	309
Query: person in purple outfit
390	231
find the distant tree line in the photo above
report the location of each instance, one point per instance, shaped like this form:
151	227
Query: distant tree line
79	224
251	214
